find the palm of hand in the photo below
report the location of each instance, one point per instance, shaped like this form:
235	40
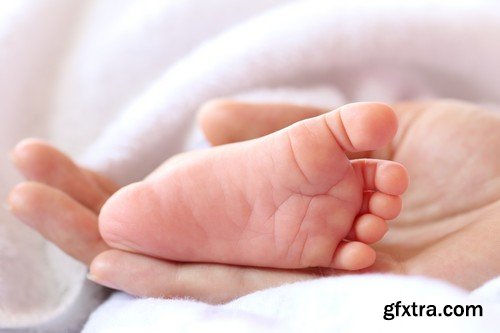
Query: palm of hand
451	152
448	227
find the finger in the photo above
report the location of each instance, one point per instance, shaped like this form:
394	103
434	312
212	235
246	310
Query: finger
38	161
226	121
105	184
149	277
59	218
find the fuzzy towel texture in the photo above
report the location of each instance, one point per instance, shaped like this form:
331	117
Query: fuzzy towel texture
132	74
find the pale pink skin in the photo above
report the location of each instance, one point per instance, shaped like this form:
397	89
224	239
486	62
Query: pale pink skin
449	207
286	200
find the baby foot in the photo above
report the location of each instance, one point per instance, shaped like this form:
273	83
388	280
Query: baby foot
287	200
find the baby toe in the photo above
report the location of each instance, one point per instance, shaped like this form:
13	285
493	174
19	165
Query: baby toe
353	256
385	206
391	178
381	175
369	228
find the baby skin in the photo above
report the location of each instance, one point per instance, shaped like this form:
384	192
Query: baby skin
291	199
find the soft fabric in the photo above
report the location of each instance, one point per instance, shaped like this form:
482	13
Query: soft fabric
344	304
117	83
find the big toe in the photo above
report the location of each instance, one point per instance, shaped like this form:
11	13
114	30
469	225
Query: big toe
363	126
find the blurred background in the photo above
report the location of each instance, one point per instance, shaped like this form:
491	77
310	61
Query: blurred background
116	83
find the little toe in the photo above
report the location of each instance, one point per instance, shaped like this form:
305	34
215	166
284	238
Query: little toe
353	256
363	126
369	228
380	175
384	205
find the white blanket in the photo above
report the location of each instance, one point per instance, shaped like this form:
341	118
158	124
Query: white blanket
344	304
133	73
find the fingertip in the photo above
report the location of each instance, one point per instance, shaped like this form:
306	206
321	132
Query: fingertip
20	195
214	118
33	157
101	269
24	147
25	199
29	142
101	263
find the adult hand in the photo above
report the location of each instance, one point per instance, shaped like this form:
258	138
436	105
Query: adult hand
447	228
